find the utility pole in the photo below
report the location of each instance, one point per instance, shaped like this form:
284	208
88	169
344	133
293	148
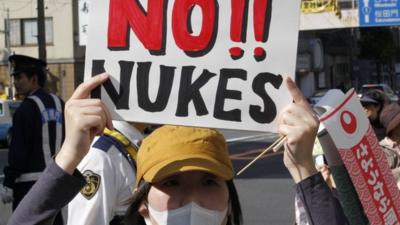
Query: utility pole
41	30
7	32
8	47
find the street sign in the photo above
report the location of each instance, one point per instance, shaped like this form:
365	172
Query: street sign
379	13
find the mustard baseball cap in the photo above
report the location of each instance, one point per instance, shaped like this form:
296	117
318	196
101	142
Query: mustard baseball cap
173	149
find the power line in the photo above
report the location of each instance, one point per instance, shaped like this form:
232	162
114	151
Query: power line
21	8
56	7
17	1
27	3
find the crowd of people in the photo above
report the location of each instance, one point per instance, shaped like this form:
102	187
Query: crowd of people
108	172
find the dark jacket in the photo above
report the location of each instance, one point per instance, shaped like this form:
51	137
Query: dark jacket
26	148
55	189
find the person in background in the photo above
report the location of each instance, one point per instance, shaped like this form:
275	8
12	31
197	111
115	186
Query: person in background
109	169
373	102
184	174
38	128
390	118
3	94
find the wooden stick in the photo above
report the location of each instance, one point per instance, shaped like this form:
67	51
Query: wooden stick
261	154
279	145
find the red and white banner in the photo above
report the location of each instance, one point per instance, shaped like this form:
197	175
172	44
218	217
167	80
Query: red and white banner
365	161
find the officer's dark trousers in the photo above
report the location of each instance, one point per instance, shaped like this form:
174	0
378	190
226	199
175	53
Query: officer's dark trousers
20	190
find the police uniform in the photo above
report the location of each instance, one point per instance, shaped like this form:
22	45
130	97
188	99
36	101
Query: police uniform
109	169
37	133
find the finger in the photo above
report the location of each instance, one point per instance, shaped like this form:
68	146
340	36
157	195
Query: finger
109	123
285	130
301	114
79	103
82	103
293	133
290	120
285	112
94	123
94	110
84	89
296	94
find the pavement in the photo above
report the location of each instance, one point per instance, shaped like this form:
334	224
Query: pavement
265	189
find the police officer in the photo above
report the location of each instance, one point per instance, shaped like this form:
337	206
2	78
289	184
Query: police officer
38	127
110	170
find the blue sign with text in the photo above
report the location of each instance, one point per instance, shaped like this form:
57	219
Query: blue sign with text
379	12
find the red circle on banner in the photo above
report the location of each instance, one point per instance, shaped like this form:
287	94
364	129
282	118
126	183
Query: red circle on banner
348	121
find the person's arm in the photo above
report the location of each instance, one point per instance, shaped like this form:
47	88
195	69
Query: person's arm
300	125
95	206
85	118
319	202
51	192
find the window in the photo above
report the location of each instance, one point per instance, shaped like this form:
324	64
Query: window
30	31
15	32
24	31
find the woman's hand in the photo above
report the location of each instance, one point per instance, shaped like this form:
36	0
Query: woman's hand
84	119
300	125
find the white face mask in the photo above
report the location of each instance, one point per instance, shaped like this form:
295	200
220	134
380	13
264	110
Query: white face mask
190	214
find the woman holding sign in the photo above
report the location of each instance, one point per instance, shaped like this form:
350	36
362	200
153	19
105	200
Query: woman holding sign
184	174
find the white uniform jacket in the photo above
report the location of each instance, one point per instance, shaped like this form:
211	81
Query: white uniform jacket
111	180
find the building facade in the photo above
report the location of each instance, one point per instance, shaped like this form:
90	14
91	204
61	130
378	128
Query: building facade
335	52
18	35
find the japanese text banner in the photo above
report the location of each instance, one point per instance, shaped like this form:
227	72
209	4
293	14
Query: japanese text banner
365	161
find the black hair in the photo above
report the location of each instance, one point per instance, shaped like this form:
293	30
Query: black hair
40	74
132	216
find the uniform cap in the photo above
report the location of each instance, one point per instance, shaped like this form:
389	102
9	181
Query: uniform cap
173	149
390	117
375	96
129	131
22	63
368	100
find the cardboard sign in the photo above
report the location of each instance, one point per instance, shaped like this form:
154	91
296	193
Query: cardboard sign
194	62
364	160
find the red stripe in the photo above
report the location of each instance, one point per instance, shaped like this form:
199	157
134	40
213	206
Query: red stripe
322	119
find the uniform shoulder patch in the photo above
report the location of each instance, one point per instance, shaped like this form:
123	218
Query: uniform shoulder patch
92	184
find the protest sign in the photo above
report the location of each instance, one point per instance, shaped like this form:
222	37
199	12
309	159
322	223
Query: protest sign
364	159
194	62
345	189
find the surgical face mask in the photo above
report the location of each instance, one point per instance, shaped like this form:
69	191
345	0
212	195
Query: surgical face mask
190	214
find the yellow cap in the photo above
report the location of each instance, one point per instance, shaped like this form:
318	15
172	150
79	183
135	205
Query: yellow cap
173	149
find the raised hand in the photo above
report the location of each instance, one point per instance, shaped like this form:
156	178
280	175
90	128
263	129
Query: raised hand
300	125
84	119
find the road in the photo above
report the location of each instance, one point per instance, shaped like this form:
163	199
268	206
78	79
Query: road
265	189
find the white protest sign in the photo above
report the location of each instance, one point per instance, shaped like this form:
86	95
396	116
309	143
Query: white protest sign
206	63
